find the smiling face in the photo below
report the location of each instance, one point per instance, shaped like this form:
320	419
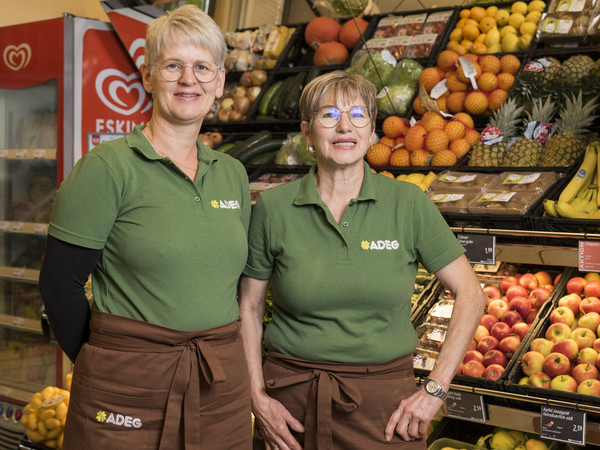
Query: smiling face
186	101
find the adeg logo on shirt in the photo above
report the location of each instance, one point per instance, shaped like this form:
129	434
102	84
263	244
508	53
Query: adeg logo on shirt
118	419
380	245
225	204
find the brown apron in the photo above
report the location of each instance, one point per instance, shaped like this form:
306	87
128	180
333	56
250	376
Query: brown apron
342	406
138	385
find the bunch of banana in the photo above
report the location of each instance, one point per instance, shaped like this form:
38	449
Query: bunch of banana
579	199
420	179
505	439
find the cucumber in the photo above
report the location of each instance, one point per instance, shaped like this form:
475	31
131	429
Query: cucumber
225	147
255	139
263	109
288	105
260	149
276	100
265	158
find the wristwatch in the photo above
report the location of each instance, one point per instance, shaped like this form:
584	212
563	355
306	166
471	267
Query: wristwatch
433	387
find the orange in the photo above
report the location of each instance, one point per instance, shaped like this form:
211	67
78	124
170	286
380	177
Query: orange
447	60
479	48
461	74
467	44
418	107
393	126
454	84
400	157
470	32
399	141
497	98
460	147
378	155
505	80
420	157
436	141
387	174
477	13
490	63
487	82
441	103
429	78
472	58
476	102
465	118
455	130
456	35
387	141
464	14
415	138
432	120
455	101
444	158
486	24
472	136
510	64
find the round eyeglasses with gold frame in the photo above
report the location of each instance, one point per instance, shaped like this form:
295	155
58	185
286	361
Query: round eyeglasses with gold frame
330	116
205	71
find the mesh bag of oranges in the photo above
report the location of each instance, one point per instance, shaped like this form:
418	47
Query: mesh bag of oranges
45	415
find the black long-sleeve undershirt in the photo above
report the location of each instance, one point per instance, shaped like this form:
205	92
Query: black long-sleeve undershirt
64	273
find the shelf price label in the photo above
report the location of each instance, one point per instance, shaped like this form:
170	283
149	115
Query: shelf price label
564	425
480	248
589	256
465	405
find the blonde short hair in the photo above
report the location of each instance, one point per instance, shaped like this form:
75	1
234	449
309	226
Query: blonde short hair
188	24
338	83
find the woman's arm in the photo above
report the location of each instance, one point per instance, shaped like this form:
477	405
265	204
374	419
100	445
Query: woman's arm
274	419
414	414
64	273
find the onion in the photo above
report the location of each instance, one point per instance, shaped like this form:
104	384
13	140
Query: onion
235	116
258	77
246	79
227	103
224	114
206	140
253	93
239	90
216	137
241	103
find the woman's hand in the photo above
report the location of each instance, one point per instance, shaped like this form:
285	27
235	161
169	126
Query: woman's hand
275	422
412	417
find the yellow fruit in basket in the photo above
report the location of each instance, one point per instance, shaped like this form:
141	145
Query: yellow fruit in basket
516	19
464	13
507	30
502	17
519	8
491	11
536	5
496	48
492	37
456	35
510	43
528	28
477	13
486	24
480	39
470	32
467	44
533	17
479	48
524	42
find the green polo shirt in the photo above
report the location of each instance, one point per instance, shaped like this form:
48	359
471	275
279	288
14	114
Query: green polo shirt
173	248
341	292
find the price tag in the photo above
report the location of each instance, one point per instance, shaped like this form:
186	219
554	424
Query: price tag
480	248
17	227
40	228
18	273
465	405
39	153
564	425
18	322
21	153
589	256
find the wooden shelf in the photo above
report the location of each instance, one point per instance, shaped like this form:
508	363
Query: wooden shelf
8	226
19	274
27	153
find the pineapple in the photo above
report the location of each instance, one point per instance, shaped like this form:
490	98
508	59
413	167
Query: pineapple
566	145
506	119
525	152
576	67
539	78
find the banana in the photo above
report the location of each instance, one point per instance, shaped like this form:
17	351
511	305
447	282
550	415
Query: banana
581	200
584	175
566	210
429	178
415	177
592	205
550	207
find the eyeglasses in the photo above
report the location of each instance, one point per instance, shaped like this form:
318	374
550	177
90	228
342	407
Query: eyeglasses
330	116
205	71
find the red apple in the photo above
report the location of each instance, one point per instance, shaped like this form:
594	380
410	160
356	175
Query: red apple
473	369
585	371
596	344
540	379
592	288
556	278
538	296
481	332
531	316
473	355
562	314
586	355
572	301
509	345
589	387
558	331
564	383
589	304
590	320
567	347
497	308
529	281
473	345
541	345
507	282
515	291
487	343
575	285
487	320
520	304
500	330
584	337
543	278
492	292
520	329
495	357
511	317
556	364
493	372
532	362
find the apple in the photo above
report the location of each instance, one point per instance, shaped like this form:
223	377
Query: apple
495	357
531	316
480	332
511	317
587	355
497	308
473	369
562	314
596	344
515	291
493	372
558	331
592	288
472	345
520	304
567	347
564	383
520	329
575	285
492	292
538	296
532	362
487	343
509	345
507	282
572	301
487	320
589	387
529	281
556	364
589	304
473	355
544	278
590	320
585	371
500	330
592	276
540	379
524	380
584	337
541	345
556	278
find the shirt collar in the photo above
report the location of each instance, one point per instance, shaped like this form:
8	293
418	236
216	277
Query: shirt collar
308	193
138	141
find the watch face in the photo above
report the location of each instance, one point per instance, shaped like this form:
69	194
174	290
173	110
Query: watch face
431	386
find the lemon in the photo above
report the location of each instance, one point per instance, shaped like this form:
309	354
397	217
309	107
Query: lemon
516	19
494	48
527	28
508	29
519	8
533	17
451	45
502	17
524	42
536	5
492	37
510	43
491	11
